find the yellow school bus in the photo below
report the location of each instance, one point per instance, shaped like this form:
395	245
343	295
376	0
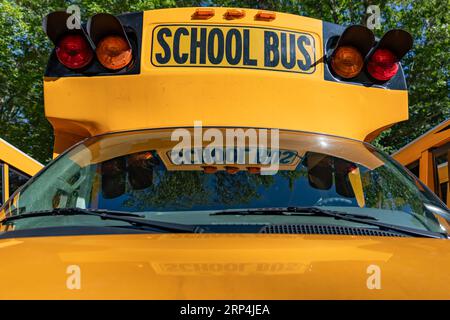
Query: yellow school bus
16	168
427	157
222	153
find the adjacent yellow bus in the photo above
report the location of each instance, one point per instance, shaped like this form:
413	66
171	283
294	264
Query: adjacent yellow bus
222	153
428	156
16	168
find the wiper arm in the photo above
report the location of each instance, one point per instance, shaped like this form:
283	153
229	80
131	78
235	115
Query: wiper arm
132	218
291	211
316	211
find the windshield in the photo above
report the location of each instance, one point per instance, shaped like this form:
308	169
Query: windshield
136	172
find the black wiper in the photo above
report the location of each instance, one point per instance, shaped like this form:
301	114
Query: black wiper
316	211
132	218
292	211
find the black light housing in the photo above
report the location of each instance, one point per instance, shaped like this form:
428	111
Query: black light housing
357	36
72	46
105	24
113	48
126	29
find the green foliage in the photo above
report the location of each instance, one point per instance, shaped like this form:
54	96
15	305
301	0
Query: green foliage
24	51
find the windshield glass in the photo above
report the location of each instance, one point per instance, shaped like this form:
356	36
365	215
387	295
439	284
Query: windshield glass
136	172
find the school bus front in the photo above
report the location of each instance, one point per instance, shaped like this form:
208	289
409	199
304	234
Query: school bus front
219	153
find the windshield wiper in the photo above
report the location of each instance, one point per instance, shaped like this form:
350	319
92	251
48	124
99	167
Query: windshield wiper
317	211
291	211
132	218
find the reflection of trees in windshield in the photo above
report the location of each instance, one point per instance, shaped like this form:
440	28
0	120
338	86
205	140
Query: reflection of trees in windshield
292	176
187	189
178	190
181	189
240	188
318	176
384	190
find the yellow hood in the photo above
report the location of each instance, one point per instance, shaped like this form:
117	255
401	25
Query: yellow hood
223	266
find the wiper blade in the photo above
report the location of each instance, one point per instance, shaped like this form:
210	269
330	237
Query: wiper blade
132	218
292	211
316	211
70	211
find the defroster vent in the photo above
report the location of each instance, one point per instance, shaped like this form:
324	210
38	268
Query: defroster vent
327	229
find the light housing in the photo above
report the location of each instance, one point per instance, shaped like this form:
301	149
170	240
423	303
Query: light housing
73	47
113	48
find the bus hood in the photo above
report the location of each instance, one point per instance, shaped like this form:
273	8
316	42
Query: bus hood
224	266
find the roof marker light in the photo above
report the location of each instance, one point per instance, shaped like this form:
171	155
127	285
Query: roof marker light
231	170
203	14
254	170
265	15
209	169
234	14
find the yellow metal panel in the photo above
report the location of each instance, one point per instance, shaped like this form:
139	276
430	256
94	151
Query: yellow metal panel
426	169
5	182
443	173
224	266
17	159
433	138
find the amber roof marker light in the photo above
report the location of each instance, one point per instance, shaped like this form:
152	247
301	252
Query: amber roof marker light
347	58
232	14
113	48
265	16
203	14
